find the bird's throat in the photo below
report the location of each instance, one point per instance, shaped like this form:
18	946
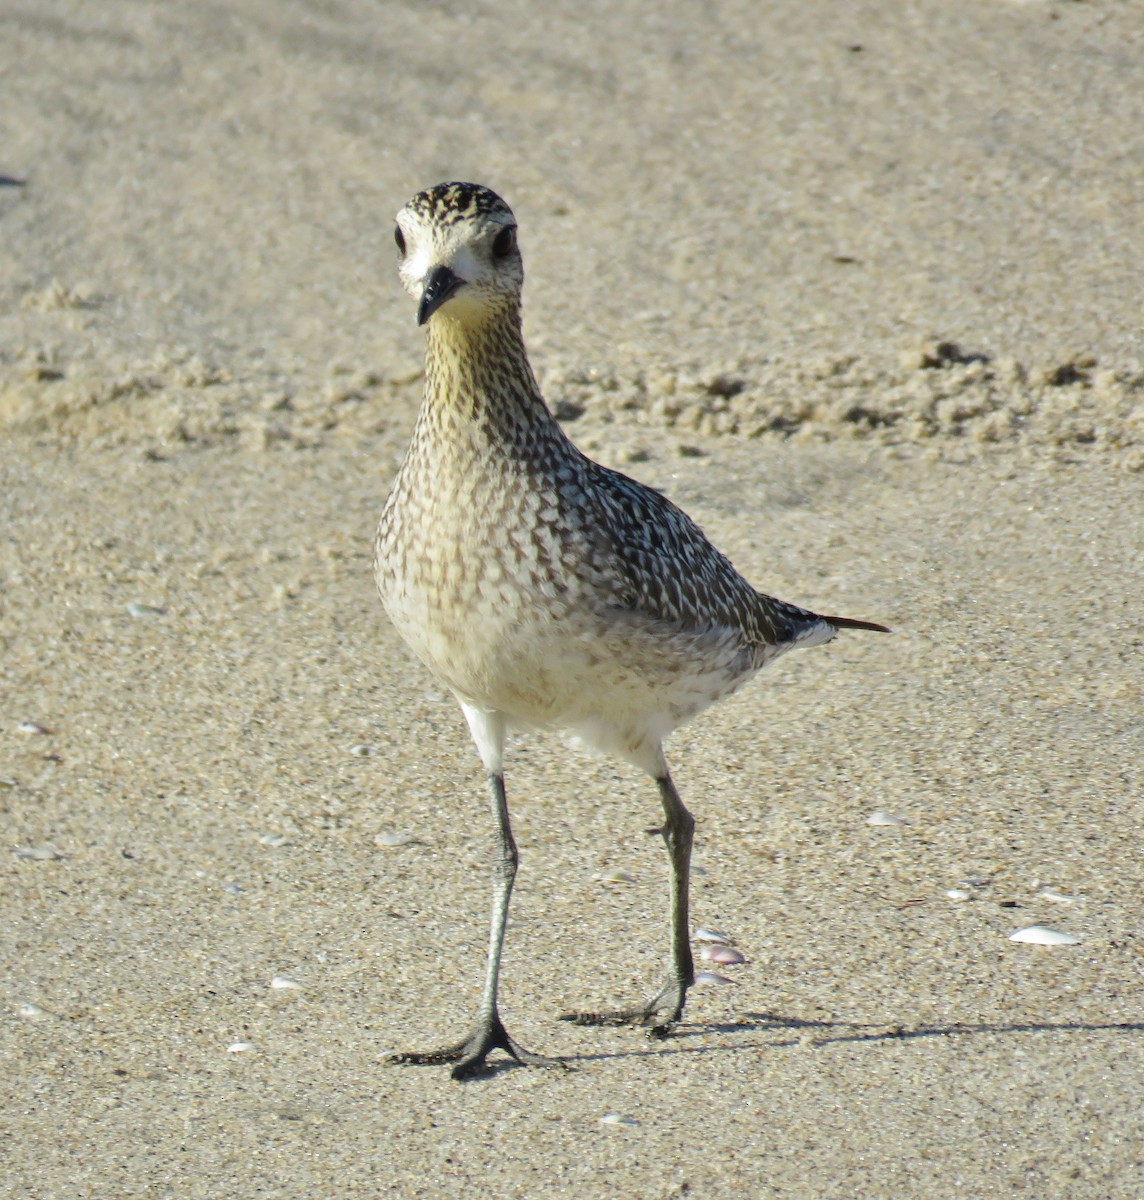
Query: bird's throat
478	372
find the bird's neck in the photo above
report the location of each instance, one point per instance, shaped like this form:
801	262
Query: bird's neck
477	377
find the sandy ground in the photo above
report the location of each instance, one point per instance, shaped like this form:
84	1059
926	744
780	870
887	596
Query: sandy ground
859	286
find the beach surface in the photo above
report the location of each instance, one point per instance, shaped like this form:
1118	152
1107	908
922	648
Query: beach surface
859	287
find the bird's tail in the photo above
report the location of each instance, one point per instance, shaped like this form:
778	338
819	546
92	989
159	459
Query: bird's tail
851	623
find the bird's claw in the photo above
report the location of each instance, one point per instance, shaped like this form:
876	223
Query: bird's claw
670	1000
470	1054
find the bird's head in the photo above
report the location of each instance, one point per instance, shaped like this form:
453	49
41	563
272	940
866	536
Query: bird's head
458	253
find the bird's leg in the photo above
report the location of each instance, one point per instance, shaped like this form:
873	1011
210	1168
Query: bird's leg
678	832
488	1033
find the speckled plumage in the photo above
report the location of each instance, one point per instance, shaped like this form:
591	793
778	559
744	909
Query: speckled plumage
540	586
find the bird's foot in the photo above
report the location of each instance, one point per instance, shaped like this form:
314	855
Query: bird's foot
658	1016
469	1055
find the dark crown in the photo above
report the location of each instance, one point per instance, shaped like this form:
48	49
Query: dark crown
453	202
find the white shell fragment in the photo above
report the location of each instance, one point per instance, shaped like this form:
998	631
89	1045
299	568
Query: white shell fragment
32	729
711	978
281	983
959	893
725	956
273	839
614	1118
389	838
1055	897
1042	935
145	610
239	1047
712	935
616	876
884	818
32	1012
39	853
361	750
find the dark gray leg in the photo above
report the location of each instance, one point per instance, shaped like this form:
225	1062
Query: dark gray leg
678	832
488	1033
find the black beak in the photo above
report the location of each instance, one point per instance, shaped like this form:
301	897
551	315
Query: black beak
440	285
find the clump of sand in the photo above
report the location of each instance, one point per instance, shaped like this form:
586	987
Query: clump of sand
936	394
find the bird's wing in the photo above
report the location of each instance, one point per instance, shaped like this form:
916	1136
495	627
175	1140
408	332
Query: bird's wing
668	571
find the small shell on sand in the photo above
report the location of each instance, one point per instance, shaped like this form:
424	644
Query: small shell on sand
239	1047
726	956
884	818
616	876
959	893
32	1012
712	935
273	839
614	1118
361	750
390	838
711	978
1042	935
32	729
1055	897
281	983
145	610
39	853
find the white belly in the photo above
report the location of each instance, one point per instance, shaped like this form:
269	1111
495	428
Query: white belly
615	680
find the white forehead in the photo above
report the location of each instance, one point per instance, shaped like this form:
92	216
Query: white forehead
424	253
450	239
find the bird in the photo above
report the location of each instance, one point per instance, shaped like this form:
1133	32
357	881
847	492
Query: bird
545	589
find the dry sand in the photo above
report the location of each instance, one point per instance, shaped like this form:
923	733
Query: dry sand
859	285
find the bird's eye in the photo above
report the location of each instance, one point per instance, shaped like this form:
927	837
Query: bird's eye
399	238
505	242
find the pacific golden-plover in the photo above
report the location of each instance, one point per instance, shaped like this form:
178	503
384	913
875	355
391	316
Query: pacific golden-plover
543	588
